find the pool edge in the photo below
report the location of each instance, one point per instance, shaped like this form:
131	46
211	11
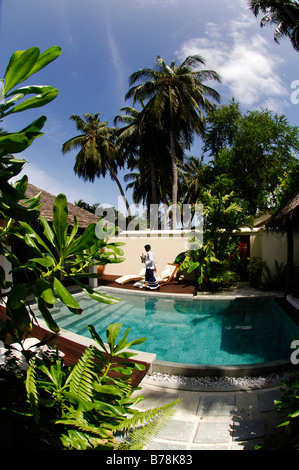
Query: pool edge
239	370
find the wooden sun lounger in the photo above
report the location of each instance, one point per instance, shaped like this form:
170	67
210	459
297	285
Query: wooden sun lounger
171	278
130	277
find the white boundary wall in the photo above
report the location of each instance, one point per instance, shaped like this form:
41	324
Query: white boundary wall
166	245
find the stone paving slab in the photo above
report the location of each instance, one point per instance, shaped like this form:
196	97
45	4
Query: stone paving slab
266	399
217	432
217	405
250	429
213	421
177	430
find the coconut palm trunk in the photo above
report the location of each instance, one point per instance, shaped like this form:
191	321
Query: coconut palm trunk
174	169
114	177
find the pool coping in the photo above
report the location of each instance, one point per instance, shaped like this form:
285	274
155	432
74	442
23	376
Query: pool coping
238	370
141	356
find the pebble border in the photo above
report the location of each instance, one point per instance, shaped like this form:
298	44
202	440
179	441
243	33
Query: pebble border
226	383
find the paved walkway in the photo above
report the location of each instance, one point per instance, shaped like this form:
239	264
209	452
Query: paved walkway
212	420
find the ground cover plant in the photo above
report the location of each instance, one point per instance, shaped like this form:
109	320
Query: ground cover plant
49	405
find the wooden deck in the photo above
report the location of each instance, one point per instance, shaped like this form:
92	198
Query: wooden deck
73	350
179	287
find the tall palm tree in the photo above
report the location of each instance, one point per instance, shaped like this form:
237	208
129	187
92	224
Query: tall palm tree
282	13
176	97
97	153
141	141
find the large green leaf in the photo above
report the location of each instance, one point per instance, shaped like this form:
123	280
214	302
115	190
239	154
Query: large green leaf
48	232
107	389
20	317
85	241
19	66
30	232
74	231
17	212
112	333
44	291
17	297
96	337
33	130
27	90
22	64
60	221
13	143
47	315
95	295
65	296
45	58
35	102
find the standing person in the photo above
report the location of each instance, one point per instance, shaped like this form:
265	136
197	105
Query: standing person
150	268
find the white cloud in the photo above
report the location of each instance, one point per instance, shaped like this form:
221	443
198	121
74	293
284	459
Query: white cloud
243	60
116	58
43	180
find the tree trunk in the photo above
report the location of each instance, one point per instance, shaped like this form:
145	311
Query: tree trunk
120	190
175	179
290	259
153	212
153	182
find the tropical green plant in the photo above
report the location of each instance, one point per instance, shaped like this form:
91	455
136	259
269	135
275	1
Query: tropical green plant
21	66
275	280
59	254
250	153
85	408
284	14
97	150
198	260
176	98
255	268
215	251
286	436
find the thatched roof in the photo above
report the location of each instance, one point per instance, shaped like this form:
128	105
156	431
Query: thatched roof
261	221
47	200
287	216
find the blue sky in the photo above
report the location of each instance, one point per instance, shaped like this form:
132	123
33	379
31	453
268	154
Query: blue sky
104	41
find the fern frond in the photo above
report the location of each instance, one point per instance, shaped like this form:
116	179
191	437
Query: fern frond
155	420
82	376
31	389
139	418
76	420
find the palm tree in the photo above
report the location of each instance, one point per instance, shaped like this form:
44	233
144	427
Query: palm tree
176	99
192	179
282	13
144	143
97	153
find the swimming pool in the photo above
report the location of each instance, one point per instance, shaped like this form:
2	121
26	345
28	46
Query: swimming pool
192	331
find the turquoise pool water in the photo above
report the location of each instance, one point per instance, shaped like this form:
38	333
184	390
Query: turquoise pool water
203	332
